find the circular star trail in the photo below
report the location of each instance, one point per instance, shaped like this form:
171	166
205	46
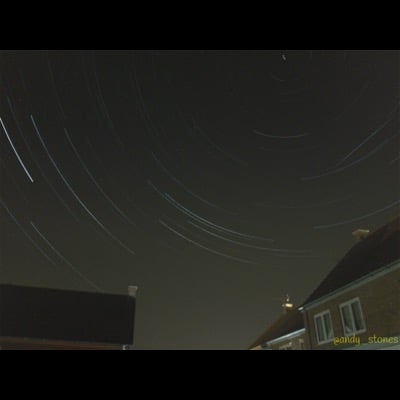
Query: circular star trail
216	181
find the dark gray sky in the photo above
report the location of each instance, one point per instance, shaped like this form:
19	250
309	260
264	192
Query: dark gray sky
216	181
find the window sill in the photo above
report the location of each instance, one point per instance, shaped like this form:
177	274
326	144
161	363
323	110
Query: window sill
355	333
329	341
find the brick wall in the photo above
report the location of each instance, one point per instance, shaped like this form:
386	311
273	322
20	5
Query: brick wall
380	303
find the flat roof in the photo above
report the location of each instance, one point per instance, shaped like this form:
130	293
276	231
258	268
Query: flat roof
52	314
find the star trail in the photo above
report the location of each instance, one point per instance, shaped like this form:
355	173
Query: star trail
215	180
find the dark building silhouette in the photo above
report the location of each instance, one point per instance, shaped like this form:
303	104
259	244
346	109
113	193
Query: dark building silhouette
44	319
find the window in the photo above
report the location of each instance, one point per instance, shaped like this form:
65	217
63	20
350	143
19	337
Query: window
323	327
352	318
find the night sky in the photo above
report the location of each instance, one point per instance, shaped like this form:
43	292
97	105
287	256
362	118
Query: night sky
215	180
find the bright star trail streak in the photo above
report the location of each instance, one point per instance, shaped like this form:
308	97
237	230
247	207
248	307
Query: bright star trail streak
337	170
281	137
373	134
245	244
27	235
218	148
15	151
75	195
216	181
396	204
204	247
74	269
182	184
95	182
202	220
59	197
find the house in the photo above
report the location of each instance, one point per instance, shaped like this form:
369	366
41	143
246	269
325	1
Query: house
357	306
49	319
287	333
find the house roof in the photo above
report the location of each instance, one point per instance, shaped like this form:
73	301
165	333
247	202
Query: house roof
378	250
37	313
288	323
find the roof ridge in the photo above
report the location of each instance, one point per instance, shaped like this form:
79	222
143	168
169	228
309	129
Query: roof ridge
380	248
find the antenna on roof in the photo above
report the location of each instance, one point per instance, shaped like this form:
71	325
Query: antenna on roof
132	291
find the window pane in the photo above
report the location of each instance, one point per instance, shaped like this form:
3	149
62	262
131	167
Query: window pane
358	318
328	326
347	321
320	330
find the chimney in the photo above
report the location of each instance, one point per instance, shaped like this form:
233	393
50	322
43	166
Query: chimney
132	290
361	234
287	305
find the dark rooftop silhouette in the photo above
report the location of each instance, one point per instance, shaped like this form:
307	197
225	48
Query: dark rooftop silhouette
50	314
378	250
288	323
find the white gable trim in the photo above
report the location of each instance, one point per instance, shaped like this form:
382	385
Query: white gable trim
289	336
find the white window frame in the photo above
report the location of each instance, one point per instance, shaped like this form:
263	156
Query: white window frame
349	304
321	315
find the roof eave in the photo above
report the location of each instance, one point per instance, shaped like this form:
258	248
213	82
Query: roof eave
358	282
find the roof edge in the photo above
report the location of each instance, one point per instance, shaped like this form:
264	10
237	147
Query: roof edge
352	285
56	342
288	336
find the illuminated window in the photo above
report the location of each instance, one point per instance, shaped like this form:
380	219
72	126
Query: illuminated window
323	327
352	317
